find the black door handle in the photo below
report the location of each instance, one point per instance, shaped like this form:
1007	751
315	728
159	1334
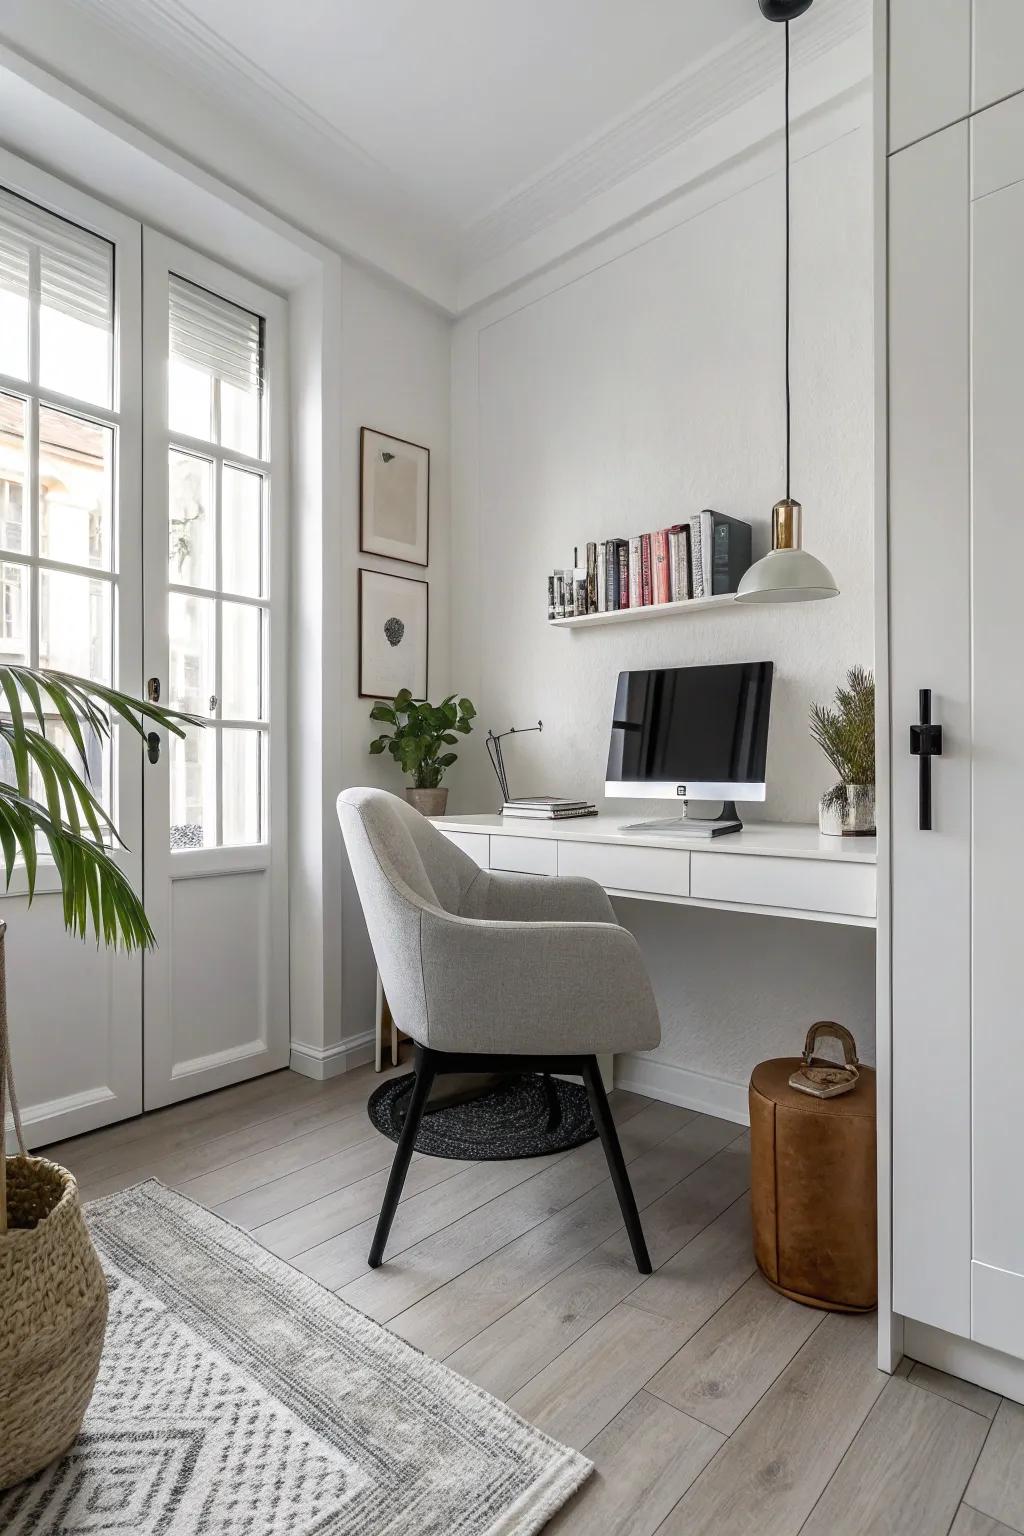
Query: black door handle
925	743
153	747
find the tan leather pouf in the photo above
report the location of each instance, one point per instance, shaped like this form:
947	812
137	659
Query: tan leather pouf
813	1189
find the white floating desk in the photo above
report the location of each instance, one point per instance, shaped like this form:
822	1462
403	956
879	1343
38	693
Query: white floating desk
772	868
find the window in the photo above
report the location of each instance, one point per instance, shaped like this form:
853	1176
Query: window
58	440
218	603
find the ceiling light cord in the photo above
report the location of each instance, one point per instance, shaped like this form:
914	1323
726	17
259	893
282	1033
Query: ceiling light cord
788	396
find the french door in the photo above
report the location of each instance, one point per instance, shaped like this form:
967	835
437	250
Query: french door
143	541
215	539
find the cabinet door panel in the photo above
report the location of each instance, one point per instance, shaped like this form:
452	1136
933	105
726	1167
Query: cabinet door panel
998	824
929	66
929	556
998	50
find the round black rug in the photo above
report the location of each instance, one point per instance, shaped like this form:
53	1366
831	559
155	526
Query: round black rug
512	1119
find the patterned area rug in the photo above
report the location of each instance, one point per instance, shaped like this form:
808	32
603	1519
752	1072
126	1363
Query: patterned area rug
238	1398
513	1119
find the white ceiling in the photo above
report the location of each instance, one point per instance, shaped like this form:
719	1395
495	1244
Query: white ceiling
466	100
470	127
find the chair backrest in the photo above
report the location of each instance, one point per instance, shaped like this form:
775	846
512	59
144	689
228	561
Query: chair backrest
401	865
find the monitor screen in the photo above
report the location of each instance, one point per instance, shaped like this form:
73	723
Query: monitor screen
691	732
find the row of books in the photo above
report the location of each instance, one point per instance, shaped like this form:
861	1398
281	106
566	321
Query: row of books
704	557
547	808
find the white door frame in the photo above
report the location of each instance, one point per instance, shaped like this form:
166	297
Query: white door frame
166	1079
116	1091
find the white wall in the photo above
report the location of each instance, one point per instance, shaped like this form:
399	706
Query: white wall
396	377
626	389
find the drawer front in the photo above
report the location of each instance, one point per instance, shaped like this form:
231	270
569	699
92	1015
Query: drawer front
524	855
806	885
476	844
657	871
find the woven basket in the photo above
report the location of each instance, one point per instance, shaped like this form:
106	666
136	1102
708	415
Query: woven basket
53	1299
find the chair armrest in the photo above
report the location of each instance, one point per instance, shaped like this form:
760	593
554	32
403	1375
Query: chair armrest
537	899
573	988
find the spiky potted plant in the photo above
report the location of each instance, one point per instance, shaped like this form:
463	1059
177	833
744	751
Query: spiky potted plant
53	1295
845	733
418	732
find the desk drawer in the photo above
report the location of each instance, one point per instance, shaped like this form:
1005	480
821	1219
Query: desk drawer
476	844
524	855
807	885
654	871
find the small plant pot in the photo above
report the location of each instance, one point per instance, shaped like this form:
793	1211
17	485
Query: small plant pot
851	814
429	802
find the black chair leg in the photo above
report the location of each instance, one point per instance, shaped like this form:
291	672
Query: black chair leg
602	1114
554	1104
403	1153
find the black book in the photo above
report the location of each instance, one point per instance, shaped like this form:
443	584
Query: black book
592	578
611	575
730	552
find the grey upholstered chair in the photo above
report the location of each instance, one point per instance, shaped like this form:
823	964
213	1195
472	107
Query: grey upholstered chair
494	972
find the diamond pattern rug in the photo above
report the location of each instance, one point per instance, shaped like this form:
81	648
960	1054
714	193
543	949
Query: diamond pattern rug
238	1398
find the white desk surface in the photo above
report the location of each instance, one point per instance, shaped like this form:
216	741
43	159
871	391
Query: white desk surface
791	840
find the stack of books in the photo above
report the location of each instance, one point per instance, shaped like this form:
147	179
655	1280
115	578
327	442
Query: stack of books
547	808
704	557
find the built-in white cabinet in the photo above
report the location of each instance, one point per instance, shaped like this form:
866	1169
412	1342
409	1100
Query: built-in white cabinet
956	547
949	58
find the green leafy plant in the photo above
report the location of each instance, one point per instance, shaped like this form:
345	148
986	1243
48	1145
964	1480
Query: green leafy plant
98	897
846	734
419	732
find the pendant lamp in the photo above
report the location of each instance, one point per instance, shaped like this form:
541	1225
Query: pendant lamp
789	574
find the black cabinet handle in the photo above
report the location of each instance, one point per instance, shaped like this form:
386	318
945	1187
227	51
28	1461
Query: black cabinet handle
925	743
153	747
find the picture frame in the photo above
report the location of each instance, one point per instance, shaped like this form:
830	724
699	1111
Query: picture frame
394	497
394	634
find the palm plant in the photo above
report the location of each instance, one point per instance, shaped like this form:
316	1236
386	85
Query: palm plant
846	735
77	830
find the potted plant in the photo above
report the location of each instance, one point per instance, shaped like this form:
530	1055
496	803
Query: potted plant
846	735
419	731
53	1294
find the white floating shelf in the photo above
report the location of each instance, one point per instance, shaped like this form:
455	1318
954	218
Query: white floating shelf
649	611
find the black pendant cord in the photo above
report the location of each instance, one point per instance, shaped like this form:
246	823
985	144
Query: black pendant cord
788	393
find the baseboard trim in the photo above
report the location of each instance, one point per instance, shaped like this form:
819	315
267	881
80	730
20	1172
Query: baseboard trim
964	1358
676	1085
322	1062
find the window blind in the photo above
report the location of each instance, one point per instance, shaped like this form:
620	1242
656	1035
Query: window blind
76	268
215	335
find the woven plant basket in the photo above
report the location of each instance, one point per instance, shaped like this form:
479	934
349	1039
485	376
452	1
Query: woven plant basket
53	1298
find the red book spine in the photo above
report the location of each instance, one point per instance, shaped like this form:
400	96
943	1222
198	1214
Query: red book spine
645	569
662	583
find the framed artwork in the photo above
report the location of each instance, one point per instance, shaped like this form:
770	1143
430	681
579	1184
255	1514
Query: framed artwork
394	498
393	634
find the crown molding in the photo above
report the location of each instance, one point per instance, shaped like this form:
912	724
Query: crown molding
729	78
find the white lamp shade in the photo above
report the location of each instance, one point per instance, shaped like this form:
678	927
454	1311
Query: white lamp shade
787	576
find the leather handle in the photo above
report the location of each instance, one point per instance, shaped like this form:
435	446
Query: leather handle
826	1029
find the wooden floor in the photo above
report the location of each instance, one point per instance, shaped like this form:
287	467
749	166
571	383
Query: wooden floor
708	1403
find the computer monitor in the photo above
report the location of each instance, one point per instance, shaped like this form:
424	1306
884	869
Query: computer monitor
692	733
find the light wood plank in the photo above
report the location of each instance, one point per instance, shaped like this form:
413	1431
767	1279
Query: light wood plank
262	1170
997	1486
269	1202
700	1277
503	1356
971	1522
979	1399
645	1460
906	1469
578	1394
478	1294
769	1475
731	1362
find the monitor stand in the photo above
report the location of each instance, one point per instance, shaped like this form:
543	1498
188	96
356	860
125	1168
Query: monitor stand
693	826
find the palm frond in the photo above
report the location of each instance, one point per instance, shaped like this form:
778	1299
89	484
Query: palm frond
846	733
97	895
